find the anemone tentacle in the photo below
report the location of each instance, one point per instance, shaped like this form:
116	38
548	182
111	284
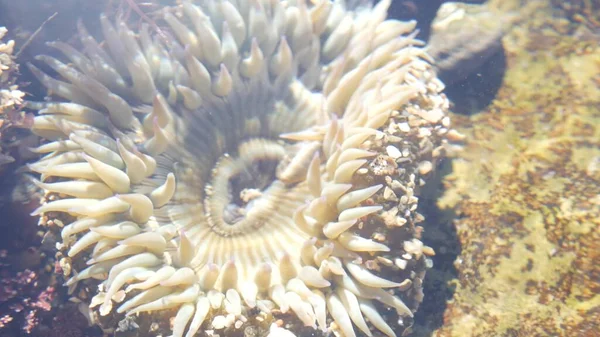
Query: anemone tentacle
243	164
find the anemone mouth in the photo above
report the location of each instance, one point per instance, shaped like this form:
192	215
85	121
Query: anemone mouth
240	185
250	165
244	192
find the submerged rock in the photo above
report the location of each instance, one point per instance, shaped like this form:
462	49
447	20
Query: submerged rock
464	36
527	190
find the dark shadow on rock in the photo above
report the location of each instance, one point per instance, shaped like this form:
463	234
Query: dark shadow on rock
470	87
421	10
473	92
440	234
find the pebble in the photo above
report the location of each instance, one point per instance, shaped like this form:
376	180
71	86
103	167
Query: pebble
404	127
393	152
425	167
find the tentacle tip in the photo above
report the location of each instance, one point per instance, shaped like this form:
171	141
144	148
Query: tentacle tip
104	309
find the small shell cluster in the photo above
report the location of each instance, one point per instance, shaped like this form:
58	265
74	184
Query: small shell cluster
10	95
6	55
264	161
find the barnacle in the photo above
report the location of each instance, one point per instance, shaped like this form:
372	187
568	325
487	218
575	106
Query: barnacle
242	167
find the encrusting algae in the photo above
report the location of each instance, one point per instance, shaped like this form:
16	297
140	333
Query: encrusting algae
257	172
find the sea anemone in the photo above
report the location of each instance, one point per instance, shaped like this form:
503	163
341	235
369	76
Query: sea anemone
264	160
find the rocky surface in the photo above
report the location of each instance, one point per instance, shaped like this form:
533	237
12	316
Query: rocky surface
465	35
526	188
